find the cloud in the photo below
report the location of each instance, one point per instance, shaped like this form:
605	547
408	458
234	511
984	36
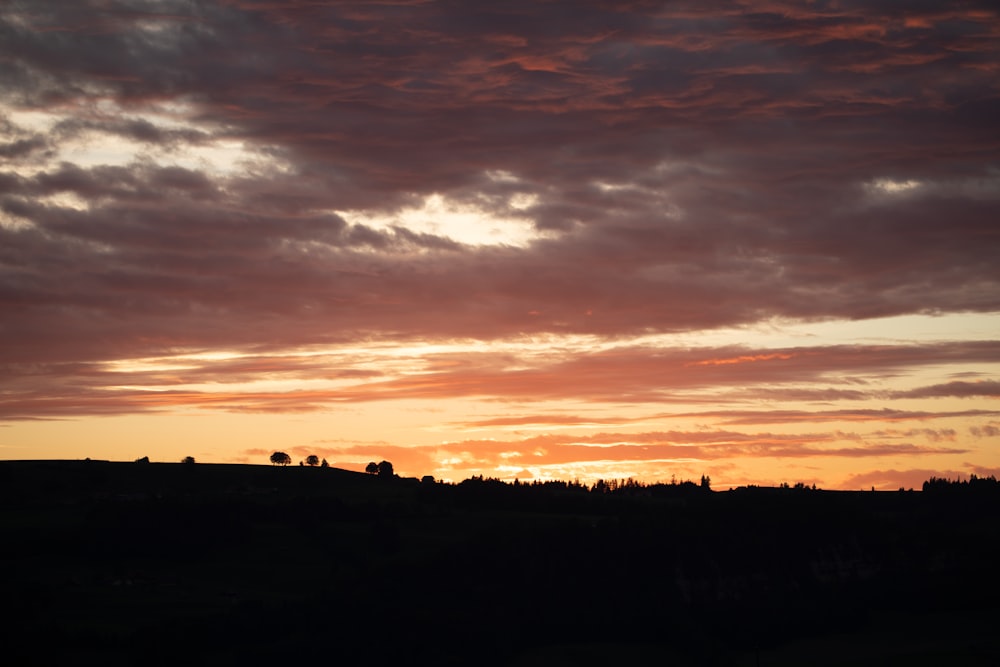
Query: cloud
372	108
985	431
638	374
779	416
618	375
542	420
653	446
958	388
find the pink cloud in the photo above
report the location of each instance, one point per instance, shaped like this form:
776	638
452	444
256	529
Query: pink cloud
623	375
958	388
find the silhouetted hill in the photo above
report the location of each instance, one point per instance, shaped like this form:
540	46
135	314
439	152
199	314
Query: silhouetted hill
124	563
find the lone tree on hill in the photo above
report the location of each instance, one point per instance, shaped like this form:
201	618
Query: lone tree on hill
372	468
324	464
187	459
280	459
385	469
312	460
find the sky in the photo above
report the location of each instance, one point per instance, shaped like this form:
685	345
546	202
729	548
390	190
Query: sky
528	240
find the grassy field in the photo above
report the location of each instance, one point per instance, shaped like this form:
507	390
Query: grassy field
124	563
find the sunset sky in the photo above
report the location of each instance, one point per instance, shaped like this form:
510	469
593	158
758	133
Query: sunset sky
536	240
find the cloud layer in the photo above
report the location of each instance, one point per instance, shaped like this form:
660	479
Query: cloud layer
240	176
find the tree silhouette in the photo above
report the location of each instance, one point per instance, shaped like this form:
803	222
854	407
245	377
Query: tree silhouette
384	469
280	459
144	459
324	464
312	460
187	459
371	468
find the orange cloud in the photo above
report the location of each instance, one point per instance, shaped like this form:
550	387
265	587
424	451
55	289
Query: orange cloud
675	448
740	360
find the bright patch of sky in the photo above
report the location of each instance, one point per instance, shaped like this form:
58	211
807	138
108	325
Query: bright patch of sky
893	187
177	362
461	222
776	333
91	147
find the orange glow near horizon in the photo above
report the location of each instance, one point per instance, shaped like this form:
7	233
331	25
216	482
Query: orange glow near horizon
455	410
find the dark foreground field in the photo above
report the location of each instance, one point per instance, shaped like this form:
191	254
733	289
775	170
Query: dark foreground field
168	564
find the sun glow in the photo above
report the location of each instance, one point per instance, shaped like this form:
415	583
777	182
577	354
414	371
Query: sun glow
893	187
459	221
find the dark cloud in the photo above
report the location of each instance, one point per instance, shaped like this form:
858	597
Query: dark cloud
22	147
138	129
959	389
985	431
752	417
739	145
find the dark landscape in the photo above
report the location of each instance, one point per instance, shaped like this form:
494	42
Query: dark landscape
116	563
